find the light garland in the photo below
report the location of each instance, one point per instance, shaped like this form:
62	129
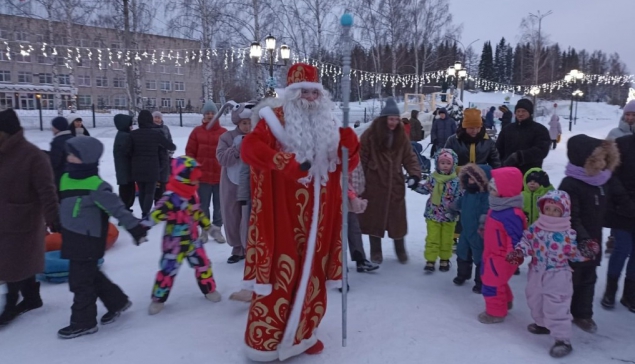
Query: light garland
231	55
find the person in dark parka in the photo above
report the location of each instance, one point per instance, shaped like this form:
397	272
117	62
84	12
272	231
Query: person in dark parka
472	144
165	157
489	118
57	154
507	116
621	218
145	149
587	181
525	143
416	129
442	129
120	151
28	200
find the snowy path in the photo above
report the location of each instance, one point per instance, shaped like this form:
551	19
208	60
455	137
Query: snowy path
396	315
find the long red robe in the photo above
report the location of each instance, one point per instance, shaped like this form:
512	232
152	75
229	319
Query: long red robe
290	296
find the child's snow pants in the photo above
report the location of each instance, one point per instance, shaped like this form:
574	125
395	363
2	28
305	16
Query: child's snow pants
439	240
495	274
549	298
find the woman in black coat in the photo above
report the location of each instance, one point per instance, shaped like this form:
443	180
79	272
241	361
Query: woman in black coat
146	144
121	154
77	128
472	144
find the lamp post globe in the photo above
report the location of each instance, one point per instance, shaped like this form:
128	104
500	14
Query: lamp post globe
270	42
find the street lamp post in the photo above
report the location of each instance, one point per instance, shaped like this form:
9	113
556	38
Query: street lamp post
38	100
255	52
573	78
577	94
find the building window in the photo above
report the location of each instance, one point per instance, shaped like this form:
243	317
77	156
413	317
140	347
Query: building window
101	82
165	86
5	76
151	85
103	65
96	44
43	60
64	79
151	102
20	58
120	101
162	69
178	70
45	78
84	100
83	81
150	68
119	82
116	65
179	86
180	102
47	101
25	77
4	34
21	36
102	102
84	43
83	63
60	61
27	101
39	38
165	102
115	45
3	56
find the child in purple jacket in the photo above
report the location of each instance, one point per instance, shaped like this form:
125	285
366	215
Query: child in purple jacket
551	243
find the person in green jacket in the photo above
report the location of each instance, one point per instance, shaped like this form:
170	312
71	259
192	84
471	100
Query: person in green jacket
536	185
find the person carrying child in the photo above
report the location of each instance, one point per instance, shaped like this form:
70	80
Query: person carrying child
473	204
440	218
551	243
504	228
180	207
536	185
86	203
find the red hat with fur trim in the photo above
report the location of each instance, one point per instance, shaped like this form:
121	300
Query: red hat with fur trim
302	75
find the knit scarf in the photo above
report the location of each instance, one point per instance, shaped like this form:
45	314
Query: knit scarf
186	191
553	224
82	171
440	179
579	173
503	203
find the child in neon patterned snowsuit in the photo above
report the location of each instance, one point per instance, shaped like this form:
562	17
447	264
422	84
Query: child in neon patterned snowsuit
180	207
551	243
440	217
504	228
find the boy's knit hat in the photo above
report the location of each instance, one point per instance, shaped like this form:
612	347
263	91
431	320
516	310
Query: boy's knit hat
390	108
9	122
630	107
60	123
209	106
472	119
88	149
541	177
186	170
525	104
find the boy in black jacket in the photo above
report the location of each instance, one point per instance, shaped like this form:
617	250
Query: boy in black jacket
86	203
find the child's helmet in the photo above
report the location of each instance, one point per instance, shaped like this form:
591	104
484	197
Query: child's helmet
186	169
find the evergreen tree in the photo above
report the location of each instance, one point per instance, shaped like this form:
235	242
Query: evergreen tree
486	66
517	73
500	68
509	64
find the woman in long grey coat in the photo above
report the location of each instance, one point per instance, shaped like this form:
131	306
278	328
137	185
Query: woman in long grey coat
385	150
28	200
228	155
555	129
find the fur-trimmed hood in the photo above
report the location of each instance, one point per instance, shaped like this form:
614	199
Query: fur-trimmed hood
481	173
595	155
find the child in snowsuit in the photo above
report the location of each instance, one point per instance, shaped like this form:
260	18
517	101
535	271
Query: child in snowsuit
536	185
180	207
86	203
551	243
440	218
588	183
473	204
504	228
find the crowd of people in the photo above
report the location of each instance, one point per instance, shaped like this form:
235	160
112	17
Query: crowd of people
273	184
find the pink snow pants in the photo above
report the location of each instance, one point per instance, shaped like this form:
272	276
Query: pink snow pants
549	298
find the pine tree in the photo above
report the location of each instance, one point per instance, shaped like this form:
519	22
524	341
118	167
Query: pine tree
500	68
517	73
486	66
509	64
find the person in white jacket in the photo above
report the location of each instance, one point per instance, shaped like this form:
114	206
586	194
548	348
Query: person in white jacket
555	130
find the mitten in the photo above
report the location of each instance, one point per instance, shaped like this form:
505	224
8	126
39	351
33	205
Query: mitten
358	206
515	257
413	182
204	236
511	161
305	166
348	138
589	248
139	233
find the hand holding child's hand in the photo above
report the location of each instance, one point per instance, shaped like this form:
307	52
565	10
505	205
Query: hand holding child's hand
589	248
515	257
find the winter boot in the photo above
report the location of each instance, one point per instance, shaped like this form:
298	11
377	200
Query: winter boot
235	259
429	268
213	296
317	348
71	332
400	250
376	255
538	330
444	266
478	288
463	271
155	307
244	295
608	301
30	296
366	266
217	235
587	325
9	313
478	284
111	316
348	288
610	243
560	349
628	296
487	319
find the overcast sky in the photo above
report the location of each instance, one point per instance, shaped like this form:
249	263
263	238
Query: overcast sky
607	25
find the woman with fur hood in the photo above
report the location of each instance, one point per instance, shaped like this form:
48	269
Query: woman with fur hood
591	164
228	155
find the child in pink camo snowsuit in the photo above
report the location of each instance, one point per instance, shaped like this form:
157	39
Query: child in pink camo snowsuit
504	227
551	243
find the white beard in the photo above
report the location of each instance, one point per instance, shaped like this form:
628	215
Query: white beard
313	135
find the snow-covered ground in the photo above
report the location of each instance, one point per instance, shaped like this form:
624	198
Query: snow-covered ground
395	315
